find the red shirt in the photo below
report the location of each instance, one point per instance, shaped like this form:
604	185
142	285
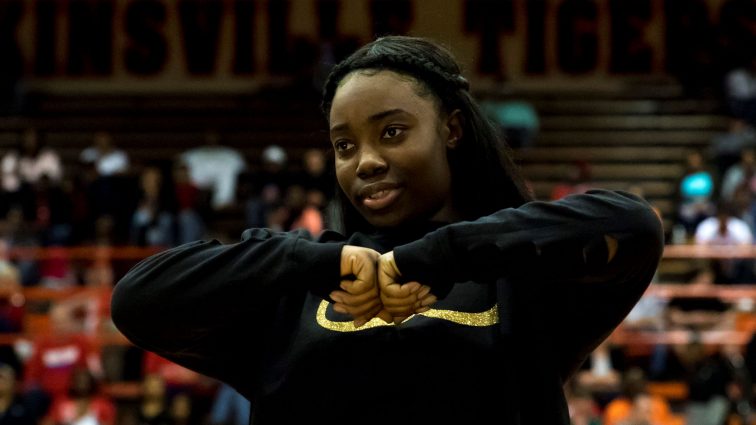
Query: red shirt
64	411
54	360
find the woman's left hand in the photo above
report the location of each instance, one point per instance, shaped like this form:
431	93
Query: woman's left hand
401	299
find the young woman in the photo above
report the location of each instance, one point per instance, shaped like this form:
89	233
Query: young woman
448	297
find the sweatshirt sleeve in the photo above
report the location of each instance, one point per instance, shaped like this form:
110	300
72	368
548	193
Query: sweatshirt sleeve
186	303
556	249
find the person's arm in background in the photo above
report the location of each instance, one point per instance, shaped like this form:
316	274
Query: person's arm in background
187	303
597	252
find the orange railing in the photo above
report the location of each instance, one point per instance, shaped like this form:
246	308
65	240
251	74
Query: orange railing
36	323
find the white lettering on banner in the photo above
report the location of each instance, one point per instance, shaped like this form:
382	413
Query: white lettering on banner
61	356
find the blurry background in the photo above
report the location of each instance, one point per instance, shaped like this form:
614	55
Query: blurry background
128	126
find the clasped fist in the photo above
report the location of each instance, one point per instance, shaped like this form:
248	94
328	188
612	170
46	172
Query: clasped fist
371	287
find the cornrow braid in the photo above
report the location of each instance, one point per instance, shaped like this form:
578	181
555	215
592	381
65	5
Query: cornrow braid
423	69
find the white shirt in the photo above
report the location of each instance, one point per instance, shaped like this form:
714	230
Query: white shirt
216	168
113	162
738	232
741	84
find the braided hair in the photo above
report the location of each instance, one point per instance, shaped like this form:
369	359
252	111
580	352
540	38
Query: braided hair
484	176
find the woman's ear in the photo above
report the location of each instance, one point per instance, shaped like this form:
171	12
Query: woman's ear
454	126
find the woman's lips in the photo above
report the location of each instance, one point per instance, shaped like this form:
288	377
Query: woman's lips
381	199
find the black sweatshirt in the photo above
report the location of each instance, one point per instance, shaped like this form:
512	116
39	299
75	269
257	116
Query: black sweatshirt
526	294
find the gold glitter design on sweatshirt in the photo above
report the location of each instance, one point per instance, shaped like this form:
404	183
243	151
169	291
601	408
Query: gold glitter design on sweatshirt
484	318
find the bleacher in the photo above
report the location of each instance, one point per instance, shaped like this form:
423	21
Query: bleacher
634	137
629	138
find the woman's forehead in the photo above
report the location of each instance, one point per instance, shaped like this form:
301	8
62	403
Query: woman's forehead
369	93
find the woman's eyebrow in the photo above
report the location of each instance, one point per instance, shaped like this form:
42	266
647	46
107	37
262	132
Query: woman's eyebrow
372	118
381	115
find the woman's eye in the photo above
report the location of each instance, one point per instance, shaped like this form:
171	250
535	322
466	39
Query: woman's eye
342	145
391	132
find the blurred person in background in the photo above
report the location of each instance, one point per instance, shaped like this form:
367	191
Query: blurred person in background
740	385
177	378
635	405
695	198
740	90
182	410
315	175
229	407
13	409
84	403
583	409
12	301
153	223
216	168
265	190
725	228
153	404
106	158
190	204
708	379
516	119
302	213
740	174
726	149
19	233
602	371
24	166
577	180
57	355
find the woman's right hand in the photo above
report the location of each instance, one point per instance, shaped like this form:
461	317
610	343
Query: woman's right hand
360	295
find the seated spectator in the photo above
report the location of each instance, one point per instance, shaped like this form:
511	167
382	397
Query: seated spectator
216	168
302	214
740	385
315	174
740	174
229	407
19	233
153	405
56	355
581	405
740	91
107	159
153	221
53	212
29	162
264	190
601	372
12	301
182	410
13	409
636	405
83	404
177	378
516	119
577	180
727	229
24	166
695	193
707	378
190	203
727	148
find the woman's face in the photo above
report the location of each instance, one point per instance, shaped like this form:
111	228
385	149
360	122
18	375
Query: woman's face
390	145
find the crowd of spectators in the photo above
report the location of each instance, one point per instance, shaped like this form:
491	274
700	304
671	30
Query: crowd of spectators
105	198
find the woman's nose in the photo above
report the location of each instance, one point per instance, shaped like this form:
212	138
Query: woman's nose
371	163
